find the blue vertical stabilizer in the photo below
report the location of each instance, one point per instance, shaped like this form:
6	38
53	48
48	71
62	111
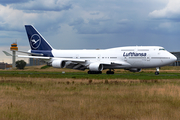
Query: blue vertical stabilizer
36	40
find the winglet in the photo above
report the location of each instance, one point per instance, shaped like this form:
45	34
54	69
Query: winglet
7	54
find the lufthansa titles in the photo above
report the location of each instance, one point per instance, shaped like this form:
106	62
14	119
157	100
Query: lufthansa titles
134	54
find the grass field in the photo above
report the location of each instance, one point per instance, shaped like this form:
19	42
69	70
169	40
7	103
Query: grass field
50	95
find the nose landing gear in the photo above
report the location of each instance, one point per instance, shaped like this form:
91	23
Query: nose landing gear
157	71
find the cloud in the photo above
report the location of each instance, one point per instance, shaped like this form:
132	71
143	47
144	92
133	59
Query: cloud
53	13
165	25
14	20
167	20
124	22
98	22
5	2
40	13
101	26
44	5
11	19
171	11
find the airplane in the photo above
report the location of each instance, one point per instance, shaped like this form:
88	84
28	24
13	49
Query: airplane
132	58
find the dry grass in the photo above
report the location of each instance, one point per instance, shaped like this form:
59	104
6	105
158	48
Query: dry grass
51	99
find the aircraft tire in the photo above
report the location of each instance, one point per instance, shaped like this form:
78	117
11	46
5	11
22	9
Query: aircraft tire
110	72
156	73
94	72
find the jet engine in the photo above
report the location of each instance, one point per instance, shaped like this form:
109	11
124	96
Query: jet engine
95	67
134	69
58	64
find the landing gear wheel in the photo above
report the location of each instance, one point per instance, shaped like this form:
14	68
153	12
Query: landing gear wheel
94	72
100	72
156	73
110	72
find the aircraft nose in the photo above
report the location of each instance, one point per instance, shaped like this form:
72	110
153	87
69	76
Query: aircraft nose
173	58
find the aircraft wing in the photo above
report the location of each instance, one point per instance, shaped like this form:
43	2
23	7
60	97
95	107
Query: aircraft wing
37	57
71	63
48	58
79	64
77	61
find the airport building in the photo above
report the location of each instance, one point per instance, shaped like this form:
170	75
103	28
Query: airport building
177	63
5	65
35	62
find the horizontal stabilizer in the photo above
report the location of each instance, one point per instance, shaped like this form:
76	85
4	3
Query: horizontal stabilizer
36	54
7	54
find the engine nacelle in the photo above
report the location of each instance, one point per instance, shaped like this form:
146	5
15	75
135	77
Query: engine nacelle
58	64
95	67
134	69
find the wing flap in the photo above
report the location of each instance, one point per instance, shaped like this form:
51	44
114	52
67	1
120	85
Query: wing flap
76	66
121	63
70	60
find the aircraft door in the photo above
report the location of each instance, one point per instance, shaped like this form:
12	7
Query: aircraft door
99	57
125	58
148	58
77	56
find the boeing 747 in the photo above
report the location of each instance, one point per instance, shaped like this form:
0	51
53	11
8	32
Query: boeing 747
132	58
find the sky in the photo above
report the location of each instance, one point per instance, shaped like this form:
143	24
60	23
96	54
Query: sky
91	24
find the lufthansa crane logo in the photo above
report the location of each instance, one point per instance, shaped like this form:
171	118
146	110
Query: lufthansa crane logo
35	41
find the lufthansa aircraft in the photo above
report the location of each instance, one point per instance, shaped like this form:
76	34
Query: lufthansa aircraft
132	58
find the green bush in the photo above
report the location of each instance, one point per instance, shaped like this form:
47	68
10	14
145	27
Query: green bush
20	64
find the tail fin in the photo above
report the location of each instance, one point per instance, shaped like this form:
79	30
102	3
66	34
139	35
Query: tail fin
36	40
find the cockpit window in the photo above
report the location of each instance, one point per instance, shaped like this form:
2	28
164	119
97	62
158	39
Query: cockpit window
161	49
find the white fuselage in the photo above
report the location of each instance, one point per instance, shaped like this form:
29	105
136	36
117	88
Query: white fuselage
131	57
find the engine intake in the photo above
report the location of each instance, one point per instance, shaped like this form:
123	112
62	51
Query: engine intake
58	64
95	67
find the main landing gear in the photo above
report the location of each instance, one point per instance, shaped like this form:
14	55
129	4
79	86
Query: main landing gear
110	72
94	72
100	72
157	71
